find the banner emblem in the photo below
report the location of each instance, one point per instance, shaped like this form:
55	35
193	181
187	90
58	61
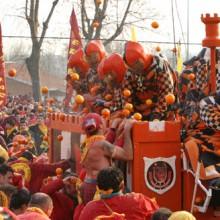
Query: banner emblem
160	173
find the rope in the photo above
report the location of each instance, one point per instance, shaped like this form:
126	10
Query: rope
120	40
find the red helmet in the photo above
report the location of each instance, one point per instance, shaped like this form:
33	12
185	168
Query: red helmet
95	46
78	60
134	51
113	64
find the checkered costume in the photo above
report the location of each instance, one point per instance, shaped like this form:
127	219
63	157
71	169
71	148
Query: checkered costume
118	100
210	112
218	72
92	79
155	84
202	75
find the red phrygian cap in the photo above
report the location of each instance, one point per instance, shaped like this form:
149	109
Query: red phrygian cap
113	64
78	60
135	51
95	46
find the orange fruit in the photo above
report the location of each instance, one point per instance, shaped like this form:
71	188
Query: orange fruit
170	99
105	112
62	117
59	137
157	48
74	76
85	110
49	110
59	171
126	92
79	99
95	24
40	108
191	76
45	138
128	106
12	72
50	100
137	116
44	90
94	89
155	24
148	102
108	97
125	112
174	50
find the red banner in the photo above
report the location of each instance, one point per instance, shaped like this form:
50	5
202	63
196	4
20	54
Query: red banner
2	74
75	39
74	44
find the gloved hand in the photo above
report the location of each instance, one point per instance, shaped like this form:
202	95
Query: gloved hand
99	103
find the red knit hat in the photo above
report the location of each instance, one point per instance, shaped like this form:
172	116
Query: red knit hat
113	64
95	46
134	51
77	60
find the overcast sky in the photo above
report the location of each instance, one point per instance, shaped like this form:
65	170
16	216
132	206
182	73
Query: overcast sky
10	25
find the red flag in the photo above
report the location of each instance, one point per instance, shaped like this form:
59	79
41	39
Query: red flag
2	74
75	39
74	44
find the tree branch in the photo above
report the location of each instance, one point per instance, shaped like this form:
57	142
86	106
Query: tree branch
84	19
36	8
101	18
45	24
26	10
120	27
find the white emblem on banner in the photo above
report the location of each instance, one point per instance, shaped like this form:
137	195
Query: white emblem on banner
157	126
160	173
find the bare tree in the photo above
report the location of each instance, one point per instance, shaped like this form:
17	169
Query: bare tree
92	28
112	17
32	62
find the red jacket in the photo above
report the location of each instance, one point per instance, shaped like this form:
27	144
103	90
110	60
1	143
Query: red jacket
63	206
41	171
38	214
134	205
